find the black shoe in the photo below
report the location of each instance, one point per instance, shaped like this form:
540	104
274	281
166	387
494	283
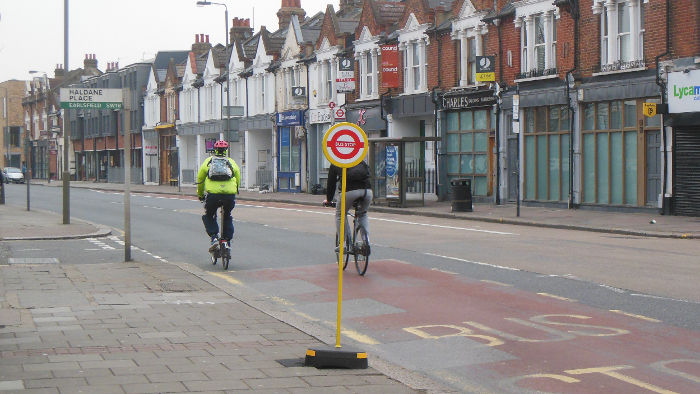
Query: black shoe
214	248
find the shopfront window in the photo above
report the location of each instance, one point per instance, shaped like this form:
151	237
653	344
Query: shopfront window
546	159
468	147
610	152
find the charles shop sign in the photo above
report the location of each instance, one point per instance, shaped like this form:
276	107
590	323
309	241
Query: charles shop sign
483	98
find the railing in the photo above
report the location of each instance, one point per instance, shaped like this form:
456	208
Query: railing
537	73
263	177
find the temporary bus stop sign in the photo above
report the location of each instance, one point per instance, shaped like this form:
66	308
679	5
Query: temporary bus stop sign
345	145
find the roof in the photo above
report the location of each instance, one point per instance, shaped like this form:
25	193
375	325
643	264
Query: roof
163	58
388	12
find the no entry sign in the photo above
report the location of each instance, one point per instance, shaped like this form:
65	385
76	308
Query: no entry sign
345	144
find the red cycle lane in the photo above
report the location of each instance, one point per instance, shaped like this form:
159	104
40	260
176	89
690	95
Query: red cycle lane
490	336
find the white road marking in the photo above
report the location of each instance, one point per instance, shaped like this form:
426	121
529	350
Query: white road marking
385	220
472	262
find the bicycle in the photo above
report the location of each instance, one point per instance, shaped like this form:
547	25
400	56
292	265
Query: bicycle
223	252
359	246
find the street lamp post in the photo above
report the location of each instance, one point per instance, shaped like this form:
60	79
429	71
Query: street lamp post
228	87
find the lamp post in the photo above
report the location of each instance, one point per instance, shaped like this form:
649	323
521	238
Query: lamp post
228	90
5	113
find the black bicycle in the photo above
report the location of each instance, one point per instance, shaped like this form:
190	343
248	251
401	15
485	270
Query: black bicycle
359	246
223	252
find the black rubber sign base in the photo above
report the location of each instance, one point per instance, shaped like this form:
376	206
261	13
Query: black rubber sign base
335	357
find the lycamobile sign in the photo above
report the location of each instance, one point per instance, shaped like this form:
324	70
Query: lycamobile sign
684	92
91	98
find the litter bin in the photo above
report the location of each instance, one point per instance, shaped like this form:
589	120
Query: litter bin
461	195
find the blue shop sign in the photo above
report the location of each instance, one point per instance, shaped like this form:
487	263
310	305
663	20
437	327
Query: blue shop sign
290	118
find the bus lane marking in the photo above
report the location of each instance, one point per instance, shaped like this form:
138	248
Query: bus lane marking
650	319
610	371
557	297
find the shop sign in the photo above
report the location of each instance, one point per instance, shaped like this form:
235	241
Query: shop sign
289	118
485	68
323	115
151	150
390	66
464	101
345	80
684	92
649	109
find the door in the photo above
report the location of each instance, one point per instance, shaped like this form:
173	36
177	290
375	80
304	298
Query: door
289	163
653	170
686	188
511	169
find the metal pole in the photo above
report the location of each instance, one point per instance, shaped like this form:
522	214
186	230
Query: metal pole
66	128
127	187
520	133
228	87
27	171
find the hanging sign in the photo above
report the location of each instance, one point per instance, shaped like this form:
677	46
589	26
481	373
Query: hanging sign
390	66
485	68
649	109
345	80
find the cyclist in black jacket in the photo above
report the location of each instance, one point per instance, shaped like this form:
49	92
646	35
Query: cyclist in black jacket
358	188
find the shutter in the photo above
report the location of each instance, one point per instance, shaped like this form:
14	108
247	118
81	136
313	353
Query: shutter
686	187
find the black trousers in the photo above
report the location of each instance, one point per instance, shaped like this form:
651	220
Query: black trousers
212	203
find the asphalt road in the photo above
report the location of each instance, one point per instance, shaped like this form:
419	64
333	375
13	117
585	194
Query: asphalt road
477	306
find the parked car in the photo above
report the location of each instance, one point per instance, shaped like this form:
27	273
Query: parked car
13	174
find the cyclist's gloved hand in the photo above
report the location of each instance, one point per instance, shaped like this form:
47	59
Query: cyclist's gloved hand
201	198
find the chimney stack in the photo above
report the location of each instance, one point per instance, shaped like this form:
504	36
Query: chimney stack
289	8
240	29
201	44
90	61
59	72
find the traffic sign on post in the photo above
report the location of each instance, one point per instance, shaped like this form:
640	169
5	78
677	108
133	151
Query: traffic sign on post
344	145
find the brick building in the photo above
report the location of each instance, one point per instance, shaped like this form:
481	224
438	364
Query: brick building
12	123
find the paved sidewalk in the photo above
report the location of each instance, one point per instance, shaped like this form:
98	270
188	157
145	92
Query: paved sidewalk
19	224
649	224
151	327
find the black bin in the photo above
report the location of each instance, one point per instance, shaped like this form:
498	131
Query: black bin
461	194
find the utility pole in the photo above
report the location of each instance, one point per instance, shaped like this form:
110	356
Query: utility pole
66	128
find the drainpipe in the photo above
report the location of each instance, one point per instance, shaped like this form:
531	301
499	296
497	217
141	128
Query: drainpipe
497	22
306	129
436	103
662	88
576	15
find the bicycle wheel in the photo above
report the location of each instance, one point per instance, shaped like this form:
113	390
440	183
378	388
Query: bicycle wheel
212	258
361	243
225	257
337	254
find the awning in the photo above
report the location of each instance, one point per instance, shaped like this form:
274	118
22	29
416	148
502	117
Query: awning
164	126
631	85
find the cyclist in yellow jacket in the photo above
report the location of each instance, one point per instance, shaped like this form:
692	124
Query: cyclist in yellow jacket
218	176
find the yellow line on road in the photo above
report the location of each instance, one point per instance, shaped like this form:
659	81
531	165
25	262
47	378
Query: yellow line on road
651	319
557	297
362	338
226	278
496	283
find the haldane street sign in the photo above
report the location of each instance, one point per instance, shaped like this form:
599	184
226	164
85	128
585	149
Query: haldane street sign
91	98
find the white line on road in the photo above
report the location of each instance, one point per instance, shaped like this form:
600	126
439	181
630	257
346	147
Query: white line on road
473	262
385	220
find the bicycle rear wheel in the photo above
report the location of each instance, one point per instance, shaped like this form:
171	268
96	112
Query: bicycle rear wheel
337	254
361	246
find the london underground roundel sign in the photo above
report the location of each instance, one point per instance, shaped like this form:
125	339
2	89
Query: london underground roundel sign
345	144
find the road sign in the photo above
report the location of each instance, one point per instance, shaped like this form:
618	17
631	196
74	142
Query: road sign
345	144
650	109
91	98
331	105
339	114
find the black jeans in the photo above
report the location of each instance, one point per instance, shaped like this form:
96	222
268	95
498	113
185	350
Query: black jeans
212	203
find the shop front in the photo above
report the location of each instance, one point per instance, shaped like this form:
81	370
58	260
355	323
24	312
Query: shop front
290	136
469	138
258	148
167	144
683	92
620	157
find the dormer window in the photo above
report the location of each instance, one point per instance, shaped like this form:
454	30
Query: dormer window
622	34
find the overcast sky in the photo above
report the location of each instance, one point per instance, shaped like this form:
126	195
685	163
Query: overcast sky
124	31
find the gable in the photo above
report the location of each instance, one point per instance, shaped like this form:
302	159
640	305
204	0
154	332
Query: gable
467	9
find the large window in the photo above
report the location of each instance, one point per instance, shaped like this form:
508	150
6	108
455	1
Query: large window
609	134
546	161
368	73
622	33
538	43
414	66
468	147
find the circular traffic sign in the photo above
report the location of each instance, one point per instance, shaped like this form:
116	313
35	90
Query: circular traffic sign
340	113
345	144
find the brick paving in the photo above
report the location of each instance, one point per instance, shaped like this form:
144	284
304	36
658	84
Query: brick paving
129	336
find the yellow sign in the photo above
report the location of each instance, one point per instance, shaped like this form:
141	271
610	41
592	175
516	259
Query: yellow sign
485	77
650	109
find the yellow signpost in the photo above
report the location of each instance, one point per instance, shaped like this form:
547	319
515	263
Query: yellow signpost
344	145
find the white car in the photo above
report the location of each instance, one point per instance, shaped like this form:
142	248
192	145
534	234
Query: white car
13	174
